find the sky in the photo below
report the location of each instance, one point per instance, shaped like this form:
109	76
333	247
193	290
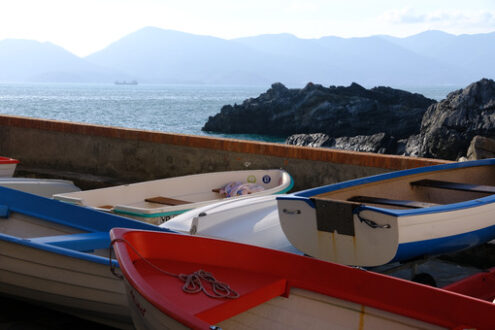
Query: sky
86	26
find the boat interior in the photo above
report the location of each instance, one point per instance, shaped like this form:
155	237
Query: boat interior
170	192
419	190
41	231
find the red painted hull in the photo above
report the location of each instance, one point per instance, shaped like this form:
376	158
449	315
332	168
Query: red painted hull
260	274
481	286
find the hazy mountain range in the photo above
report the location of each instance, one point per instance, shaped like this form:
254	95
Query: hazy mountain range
153	55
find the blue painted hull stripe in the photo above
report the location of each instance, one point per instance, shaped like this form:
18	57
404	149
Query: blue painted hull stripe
59	250
407	251
65	214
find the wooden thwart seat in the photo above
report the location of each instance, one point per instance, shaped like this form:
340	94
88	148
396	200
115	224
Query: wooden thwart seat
166	201
455	186
393	202
107	207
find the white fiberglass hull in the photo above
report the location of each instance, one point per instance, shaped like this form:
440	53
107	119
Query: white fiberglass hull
394	217
41	187
83	288
192	191
251	220
300	310
57	255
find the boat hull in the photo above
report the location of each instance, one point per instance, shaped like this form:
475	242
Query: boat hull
57	255
300	309
145	316
326	223
480	285
404	238
252	221
273	289
7	166
192	191
80	287
41	187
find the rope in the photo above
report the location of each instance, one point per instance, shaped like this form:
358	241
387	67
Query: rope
193	283
369	222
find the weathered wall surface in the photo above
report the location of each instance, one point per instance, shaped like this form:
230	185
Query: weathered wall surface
94	156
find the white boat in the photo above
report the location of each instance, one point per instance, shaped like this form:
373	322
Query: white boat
178	281
7	166
158	201
394	217
56	254
41	187
249	220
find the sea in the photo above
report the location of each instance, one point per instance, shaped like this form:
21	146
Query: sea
164	108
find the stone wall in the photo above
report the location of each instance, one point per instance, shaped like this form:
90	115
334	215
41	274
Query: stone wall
94	156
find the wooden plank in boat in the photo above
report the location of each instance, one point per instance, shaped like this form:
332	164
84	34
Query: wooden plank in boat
166	201
455	186
392	202
107	207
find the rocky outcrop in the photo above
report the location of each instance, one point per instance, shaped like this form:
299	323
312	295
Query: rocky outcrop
381	119
380	143
334	111
462	124
481	148
448	126
409	146
311	140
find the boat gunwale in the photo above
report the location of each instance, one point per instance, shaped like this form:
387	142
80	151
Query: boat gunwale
8	160
306	195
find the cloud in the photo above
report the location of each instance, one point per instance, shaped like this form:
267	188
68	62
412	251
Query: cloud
443	17
399	16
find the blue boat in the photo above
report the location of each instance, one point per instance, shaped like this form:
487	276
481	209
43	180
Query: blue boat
394	217
57	254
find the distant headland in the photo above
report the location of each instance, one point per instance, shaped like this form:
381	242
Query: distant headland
153	55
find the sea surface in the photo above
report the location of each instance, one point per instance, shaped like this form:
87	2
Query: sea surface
164	108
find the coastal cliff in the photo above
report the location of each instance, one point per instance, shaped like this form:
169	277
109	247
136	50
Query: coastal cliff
379	120
449	126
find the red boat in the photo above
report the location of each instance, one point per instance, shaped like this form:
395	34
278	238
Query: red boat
180	281
7	166
481	286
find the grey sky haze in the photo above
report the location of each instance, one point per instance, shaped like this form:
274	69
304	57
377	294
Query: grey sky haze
86	26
